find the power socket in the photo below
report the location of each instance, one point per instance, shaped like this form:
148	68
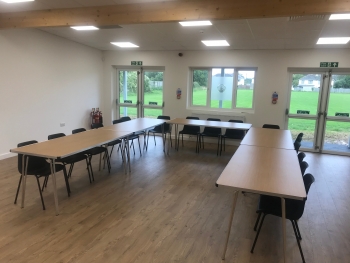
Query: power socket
62	124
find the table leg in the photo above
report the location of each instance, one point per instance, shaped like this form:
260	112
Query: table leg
24	177
283	203
163	136
122	152
235	196
53	175
128	152
169	141
176	134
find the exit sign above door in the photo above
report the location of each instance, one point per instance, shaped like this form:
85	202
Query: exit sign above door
136	63
329	64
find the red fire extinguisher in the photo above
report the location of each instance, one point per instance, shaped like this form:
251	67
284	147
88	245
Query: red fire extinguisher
92	113
97	116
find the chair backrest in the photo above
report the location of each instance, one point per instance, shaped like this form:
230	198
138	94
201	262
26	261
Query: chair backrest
34	163
295	208
78	130
116	121
96	125
303	166
158	128
190	128
271	126
299	137
56	135
297	146
212	130
126	118
301	157
233	133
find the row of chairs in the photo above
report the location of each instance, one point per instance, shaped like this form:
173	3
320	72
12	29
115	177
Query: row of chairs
270	205
39	167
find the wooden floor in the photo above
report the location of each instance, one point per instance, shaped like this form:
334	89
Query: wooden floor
168	210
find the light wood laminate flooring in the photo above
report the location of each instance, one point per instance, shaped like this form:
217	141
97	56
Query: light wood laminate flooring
168	210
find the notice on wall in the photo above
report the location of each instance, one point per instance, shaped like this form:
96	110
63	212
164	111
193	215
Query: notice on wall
128	101
153	103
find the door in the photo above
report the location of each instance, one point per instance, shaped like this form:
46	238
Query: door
319	107
128	93
140	92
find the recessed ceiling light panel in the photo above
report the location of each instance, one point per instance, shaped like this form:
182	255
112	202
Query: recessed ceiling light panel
333	40
84	28
196	23
339	16
124	44
16	1
215	43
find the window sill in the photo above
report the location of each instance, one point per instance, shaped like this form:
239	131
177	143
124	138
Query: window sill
224	112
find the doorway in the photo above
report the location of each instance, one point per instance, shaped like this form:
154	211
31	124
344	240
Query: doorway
140	92
319	107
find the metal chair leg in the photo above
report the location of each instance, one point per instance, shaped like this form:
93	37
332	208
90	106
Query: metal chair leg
66	179
257	221
41	195
19	186
257	234
298	241
138	139
297	227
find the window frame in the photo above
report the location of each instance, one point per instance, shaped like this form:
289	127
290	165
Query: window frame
234	92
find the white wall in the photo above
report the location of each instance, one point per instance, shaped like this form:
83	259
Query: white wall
272	75
45	80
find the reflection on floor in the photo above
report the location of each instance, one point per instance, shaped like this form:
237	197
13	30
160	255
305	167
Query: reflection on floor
327	146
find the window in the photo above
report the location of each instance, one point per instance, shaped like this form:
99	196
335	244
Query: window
222	88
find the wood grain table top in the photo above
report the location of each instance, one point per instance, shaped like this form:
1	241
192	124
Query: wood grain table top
216	124
71	144
264	170
271	138
135	125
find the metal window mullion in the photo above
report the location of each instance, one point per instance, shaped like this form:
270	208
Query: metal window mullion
209	88
234	87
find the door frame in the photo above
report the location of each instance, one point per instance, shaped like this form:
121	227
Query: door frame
140	89
322	106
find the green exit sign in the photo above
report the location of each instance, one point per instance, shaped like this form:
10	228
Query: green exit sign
136	63
329	64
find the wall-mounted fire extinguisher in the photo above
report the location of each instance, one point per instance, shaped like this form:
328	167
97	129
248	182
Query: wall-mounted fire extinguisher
178	93
274	98
97	116
92	113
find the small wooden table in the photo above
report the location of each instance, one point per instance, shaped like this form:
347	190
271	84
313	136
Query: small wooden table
272	138
214	124
63	147
264	170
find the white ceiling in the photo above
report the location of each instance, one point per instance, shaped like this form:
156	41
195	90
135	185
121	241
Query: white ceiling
267	33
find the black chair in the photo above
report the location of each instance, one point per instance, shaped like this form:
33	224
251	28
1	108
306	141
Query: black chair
303	166
232	134
269	205
301	157
297	146
39	167
209	132
96	125
299	137
189	130
131	137
271	126
71	160
158	129
95	151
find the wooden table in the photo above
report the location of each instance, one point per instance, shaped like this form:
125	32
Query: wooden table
137	125
264	170
272	138
214	124
63	147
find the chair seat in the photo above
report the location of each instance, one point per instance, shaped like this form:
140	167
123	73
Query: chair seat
95	150
189	132
114	142
45	171
210	134
73	158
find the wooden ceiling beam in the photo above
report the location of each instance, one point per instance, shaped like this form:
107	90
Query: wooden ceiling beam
170	12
